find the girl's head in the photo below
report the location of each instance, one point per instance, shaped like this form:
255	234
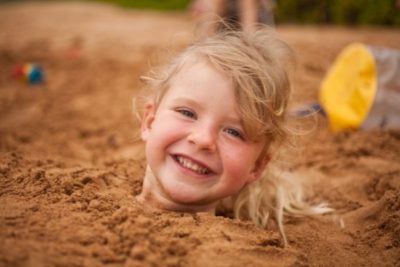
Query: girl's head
258	65
213	115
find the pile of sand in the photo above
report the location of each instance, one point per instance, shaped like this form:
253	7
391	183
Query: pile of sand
70	168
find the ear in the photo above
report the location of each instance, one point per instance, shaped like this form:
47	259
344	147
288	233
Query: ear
258	169
147	121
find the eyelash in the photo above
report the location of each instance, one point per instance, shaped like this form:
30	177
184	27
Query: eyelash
235	133
187	113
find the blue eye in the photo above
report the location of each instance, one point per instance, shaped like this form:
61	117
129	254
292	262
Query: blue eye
234	133
187	113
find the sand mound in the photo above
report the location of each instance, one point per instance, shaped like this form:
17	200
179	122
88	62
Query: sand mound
70	168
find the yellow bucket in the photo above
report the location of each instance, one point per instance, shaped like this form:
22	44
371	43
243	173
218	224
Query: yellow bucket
362	89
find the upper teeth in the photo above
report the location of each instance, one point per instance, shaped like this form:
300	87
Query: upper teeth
188	164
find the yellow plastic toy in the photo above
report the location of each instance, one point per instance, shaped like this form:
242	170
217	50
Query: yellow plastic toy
349	88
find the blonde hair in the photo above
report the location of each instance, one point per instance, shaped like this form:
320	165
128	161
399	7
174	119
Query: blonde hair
258	64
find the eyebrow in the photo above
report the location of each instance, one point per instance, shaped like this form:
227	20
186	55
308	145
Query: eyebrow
186	100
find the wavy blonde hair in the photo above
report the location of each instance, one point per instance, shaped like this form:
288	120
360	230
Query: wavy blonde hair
259	65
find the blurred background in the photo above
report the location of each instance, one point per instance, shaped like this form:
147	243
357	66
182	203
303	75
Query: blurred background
342	12
70	165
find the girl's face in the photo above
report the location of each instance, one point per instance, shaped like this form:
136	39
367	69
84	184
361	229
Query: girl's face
196	148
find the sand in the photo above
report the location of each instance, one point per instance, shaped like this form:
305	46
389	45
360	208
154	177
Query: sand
70	167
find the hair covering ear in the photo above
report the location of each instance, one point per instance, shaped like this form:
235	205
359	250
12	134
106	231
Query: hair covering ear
259	168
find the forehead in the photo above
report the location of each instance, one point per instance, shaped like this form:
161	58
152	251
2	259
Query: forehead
195	68
198	77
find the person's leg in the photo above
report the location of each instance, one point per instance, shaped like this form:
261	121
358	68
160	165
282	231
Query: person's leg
217	12
248	13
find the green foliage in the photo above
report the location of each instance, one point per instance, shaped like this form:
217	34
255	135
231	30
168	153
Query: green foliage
142	4
151	4
306	11
350	12
377	14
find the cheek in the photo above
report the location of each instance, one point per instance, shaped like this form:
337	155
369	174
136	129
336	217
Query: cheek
164	133
238	160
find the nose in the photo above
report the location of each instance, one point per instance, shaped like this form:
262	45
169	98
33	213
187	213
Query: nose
204	137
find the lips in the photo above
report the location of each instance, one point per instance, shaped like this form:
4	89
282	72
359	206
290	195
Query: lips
192	165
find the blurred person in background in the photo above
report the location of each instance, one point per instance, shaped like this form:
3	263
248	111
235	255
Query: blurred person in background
215	15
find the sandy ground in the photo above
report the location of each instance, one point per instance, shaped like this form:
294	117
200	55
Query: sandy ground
70	168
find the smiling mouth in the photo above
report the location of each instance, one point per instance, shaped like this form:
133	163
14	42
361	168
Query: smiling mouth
191	165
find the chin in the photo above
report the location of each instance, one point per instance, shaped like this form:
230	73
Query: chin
183	197
186	196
